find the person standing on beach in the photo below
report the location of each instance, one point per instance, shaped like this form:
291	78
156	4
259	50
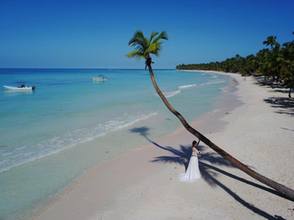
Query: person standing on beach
192	172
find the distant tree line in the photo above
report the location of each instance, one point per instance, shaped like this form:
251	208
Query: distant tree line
275	62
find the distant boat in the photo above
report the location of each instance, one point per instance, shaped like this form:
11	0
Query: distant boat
21	88
99	78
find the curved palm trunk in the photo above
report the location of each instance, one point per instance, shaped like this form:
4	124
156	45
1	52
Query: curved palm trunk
287	192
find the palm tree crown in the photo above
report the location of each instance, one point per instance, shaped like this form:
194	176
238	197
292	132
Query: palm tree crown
145	46
271	41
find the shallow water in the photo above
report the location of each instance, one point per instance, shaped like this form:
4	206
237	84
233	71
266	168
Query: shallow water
44	133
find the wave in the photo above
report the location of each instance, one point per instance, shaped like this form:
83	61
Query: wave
24	154
212	83
171	93
187	86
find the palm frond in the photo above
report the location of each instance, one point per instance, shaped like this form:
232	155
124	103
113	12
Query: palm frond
153	34
154	48
138	39
161	36
136	54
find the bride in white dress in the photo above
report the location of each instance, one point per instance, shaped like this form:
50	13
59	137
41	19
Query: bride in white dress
192	172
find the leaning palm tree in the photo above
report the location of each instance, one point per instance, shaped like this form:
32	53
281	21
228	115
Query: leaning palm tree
144	48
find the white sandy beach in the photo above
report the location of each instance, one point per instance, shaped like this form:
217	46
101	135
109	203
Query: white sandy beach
143	183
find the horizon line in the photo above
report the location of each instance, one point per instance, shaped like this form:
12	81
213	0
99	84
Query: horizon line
111	68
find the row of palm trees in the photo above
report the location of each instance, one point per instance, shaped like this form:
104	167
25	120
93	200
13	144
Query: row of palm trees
144	47
275	62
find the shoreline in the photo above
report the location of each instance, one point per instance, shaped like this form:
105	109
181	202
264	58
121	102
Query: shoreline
214	114
54	173
112	189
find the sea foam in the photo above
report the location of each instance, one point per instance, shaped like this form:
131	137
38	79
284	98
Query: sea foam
25	154
187	86
172	93
212	82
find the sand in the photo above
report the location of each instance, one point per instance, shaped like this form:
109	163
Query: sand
250	122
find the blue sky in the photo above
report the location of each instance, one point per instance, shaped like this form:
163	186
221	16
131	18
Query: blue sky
88	34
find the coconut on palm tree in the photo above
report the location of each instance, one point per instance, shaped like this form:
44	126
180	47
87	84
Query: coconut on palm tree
145	47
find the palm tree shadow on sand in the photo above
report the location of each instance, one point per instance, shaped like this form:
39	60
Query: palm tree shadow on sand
208	171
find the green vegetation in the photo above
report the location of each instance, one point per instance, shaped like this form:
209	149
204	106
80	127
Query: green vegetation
275	62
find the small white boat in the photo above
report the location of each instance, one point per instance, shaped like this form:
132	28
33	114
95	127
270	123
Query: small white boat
19	89
99	78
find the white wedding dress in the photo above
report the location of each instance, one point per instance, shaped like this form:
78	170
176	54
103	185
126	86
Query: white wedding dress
192	172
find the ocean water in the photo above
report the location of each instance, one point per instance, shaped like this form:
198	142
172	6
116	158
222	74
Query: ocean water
50	136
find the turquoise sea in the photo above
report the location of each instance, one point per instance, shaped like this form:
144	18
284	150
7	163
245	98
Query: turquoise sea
70	122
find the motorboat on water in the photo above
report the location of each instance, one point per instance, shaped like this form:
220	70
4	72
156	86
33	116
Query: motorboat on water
22	88
99	78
